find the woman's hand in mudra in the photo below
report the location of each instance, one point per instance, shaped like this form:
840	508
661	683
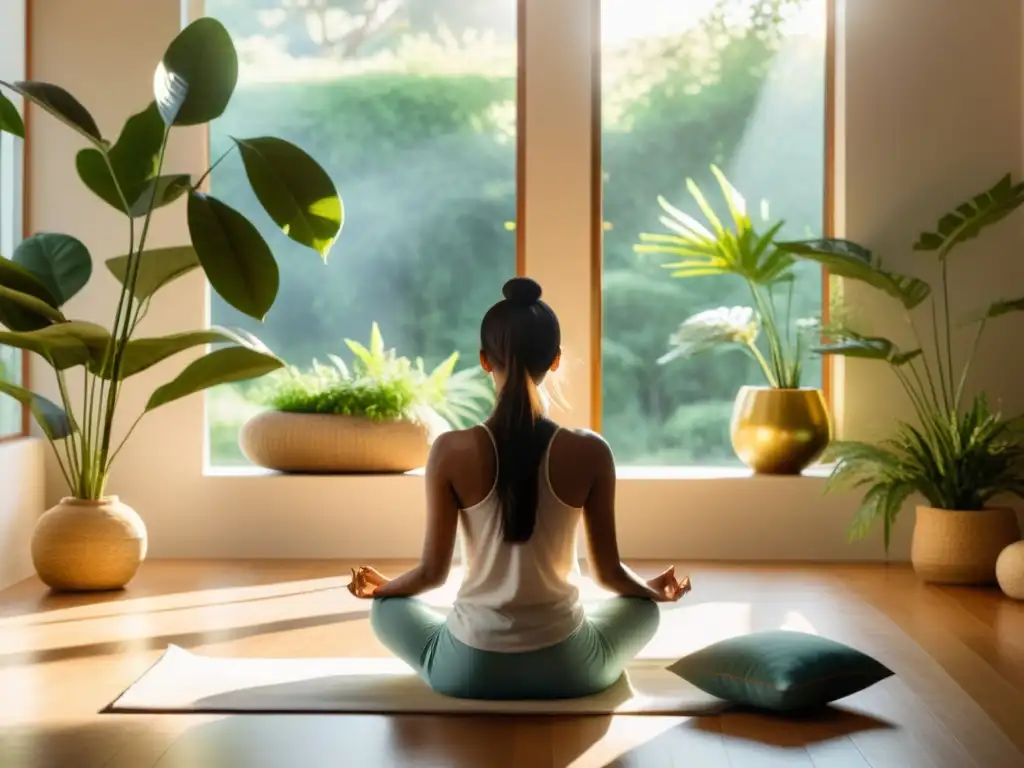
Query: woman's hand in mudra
366	581
668	586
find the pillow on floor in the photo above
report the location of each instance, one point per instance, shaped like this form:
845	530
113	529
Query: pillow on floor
780	670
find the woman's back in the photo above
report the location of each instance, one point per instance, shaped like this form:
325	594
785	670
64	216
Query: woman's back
519	596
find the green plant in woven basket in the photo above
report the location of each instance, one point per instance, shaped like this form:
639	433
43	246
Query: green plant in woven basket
958	456
735	248
193	84
379	385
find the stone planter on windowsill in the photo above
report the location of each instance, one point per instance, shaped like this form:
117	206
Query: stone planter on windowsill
328	443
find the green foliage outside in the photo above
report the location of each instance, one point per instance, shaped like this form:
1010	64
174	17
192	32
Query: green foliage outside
423	152
10	410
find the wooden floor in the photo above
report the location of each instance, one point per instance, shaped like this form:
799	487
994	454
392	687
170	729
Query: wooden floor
958	703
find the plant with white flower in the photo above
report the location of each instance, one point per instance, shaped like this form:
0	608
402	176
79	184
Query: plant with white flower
724	327
736	248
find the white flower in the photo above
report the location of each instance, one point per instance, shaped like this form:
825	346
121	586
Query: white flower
707	329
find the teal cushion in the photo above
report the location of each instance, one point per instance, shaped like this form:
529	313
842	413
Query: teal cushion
779	670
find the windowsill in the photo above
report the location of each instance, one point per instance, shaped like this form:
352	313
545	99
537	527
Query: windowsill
820	471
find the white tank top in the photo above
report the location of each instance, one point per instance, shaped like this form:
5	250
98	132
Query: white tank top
518	597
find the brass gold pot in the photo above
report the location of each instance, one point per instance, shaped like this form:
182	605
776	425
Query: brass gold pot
779	431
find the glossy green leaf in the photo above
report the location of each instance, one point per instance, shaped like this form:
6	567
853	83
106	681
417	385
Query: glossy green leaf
60	104
221	366
143	353
235	257
157	268
51	418
738	249
847	259
970	218
60	262
294	190
28	302
160	191
14	314
135	160
64	345
1004	307
870	348
194	81
10	120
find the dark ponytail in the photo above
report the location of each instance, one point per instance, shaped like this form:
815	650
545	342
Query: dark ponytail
521	338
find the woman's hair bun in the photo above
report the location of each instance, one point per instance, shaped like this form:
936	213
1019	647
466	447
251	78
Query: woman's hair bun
522	291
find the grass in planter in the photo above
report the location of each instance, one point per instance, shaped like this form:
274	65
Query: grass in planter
379	385
312	391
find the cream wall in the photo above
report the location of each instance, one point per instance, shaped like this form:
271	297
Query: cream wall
22	501
932	109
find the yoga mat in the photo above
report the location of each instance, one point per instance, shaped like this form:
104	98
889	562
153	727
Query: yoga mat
185	682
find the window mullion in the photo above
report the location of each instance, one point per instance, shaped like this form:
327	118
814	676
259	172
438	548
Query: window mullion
557	122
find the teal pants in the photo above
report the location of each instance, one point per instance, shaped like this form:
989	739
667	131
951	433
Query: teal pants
589	661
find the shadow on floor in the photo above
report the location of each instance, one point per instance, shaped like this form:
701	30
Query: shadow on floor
184	639
751	736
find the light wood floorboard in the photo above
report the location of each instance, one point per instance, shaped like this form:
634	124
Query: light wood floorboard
957	700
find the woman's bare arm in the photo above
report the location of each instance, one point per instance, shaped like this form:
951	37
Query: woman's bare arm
442	522
602	540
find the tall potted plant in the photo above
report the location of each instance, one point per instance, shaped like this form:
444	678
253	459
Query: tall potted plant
92	540
962	457
782	427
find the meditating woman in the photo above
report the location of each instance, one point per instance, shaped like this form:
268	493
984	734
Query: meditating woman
519	484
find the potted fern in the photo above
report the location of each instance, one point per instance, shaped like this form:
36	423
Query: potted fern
378	414
780	428
961	456
91	540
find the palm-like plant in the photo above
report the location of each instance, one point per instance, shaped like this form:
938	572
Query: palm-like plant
957	457
380	385
740	249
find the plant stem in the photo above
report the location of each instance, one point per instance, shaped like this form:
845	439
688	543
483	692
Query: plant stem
771	332
924	356
919	407
946	394
128	287
124	440
70	442
60	463
967	365
772	382
110	355
86	430
209	170
949	332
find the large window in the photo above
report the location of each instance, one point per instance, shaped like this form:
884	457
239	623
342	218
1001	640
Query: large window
10	359
11	67
739	84
412	107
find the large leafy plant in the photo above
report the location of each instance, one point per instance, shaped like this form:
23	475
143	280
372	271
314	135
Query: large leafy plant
380	385
735	248
957	456
193	84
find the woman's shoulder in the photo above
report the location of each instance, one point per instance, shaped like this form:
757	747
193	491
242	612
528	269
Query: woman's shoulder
458	441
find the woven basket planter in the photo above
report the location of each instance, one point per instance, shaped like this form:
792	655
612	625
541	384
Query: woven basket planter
952	547
325	443
88	546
